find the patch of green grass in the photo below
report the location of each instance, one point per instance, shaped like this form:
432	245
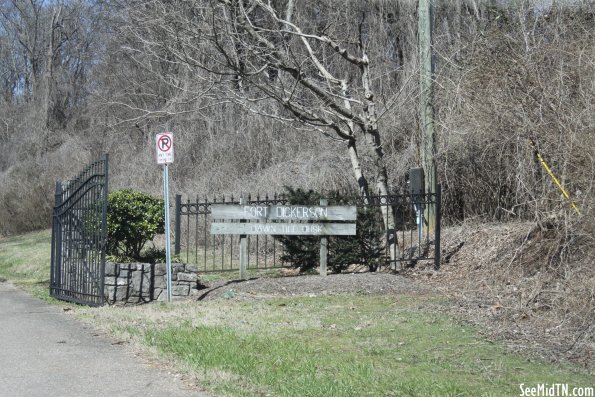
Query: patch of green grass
348	346
25	261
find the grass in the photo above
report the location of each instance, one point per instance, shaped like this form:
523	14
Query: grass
25	261
346	345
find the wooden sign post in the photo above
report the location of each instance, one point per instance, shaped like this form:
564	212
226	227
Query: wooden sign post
288	220
243	250
323	247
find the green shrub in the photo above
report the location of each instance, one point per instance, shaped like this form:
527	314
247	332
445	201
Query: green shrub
366	247
302	252
133	218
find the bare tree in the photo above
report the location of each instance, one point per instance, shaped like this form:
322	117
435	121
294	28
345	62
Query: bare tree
47	55
311	60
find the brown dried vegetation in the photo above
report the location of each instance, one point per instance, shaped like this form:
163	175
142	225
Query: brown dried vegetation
523	284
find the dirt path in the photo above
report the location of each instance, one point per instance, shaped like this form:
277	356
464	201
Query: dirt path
44	352
350	283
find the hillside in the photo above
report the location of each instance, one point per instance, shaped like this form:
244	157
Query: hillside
508	278
503	75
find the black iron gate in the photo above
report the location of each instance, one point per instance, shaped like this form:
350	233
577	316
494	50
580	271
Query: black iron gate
79	233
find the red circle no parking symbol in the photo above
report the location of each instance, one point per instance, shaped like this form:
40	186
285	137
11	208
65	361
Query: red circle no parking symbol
164	143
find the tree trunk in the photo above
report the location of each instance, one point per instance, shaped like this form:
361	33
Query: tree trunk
372	138
362	182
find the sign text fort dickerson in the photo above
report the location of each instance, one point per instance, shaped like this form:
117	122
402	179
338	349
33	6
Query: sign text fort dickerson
284	212
284	219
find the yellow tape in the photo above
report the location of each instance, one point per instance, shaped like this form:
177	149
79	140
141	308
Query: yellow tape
549	171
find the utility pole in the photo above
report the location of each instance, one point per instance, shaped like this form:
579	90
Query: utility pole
428	145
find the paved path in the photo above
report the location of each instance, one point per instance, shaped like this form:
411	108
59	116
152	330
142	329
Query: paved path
44	352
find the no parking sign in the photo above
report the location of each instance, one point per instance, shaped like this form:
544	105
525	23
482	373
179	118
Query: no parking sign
165	148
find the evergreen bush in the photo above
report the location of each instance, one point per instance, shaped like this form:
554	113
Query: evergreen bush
133	218
365	248
302	252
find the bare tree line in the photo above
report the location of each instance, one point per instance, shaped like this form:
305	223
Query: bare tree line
269	93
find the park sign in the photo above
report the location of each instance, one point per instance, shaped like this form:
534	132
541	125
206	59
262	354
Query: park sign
284	220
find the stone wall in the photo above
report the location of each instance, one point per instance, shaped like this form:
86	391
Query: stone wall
145	282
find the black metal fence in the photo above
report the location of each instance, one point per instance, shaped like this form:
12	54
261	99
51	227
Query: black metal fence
409	237
216	253
79	233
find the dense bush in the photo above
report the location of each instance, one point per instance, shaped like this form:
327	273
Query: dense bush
301	251
366	247
133	218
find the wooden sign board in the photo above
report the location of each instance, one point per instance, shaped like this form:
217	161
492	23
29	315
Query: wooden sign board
284	212
287	229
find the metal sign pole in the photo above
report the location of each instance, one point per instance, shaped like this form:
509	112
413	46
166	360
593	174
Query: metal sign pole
165	155
167	230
